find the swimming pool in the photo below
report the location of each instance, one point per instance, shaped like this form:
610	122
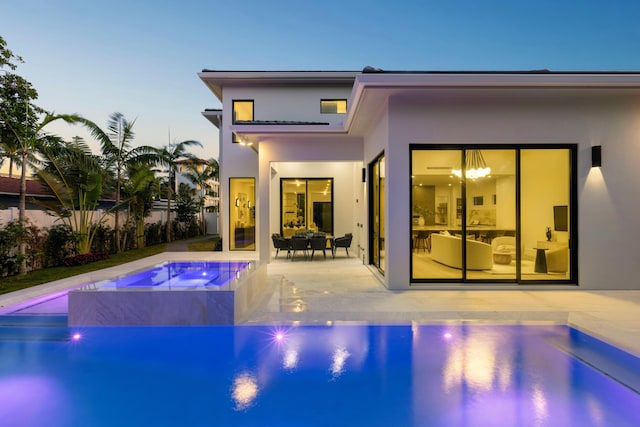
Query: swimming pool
338	375
172	293
180	275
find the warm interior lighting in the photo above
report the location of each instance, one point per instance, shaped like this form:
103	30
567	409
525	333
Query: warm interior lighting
475	167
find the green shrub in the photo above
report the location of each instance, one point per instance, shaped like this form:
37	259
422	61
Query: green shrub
59	244
11	236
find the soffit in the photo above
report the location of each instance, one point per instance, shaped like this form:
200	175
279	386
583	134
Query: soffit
216	80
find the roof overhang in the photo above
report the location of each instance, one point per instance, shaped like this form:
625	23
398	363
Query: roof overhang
371	90
214	116
216	80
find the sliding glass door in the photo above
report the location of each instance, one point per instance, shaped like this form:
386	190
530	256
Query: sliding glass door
492	214
306	205
546	214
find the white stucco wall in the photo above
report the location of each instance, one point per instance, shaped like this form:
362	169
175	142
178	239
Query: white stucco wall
270	103
609	248
339	157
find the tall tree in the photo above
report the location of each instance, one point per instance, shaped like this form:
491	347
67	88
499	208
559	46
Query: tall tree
7	57
14	92
169	154
17	115
139	191
201	178
119	155
74	176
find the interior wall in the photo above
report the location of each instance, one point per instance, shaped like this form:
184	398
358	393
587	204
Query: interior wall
344	191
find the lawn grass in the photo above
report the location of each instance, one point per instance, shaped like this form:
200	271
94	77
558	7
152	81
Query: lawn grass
204	245
37	277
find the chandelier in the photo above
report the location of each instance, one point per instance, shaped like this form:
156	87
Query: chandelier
475	166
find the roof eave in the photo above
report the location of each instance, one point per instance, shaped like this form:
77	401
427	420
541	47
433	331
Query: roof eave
286	129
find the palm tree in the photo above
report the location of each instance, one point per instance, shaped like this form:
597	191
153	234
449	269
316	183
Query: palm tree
139	190
169	154
118	153
73	174
202	180
30	138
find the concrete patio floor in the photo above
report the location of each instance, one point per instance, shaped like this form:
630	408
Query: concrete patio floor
345	290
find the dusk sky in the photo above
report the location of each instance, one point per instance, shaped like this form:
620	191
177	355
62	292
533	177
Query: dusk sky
141	58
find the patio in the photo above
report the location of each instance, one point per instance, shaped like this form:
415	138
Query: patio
345	290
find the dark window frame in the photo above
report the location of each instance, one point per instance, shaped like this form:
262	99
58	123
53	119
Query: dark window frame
573	218
306	184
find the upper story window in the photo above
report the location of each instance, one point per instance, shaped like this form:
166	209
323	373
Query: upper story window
333	106
242	110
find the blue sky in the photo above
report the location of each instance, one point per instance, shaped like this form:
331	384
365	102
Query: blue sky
141	57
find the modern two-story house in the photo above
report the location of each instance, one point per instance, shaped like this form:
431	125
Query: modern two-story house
445	179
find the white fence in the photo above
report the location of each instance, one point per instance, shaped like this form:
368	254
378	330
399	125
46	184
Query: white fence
42	219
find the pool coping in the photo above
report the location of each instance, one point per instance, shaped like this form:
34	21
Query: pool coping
611	316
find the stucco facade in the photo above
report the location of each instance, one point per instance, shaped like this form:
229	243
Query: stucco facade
390	112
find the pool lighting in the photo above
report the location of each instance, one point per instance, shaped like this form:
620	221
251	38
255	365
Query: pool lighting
447	335
76	336
279	336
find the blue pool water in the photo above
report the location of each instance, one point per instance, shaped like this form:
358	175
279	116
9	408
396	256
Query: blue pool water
337	375
180	275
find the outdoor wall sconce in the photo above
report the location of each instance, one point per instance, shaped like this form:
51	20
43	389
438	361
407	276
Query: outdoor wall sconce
596	156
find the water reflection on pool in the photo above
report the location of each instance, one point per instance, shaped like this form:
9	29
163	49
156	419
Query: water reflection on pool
398	375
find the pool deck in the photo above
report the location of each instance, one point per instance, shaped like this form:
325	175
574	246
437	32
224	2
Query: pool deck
345	290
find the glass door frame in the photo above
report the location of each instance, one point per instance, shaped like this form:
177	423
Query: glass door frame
375	202
573	209
306	201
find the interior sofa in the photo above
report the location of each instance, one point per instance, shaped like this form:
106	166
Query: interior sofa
557	257
447	249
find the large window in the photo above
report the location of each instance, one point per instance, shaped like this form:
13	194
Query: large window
492	214
306	205
242	214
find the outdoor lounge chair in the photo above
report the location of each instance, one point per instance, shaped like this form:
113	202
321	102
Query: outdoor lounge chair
342	242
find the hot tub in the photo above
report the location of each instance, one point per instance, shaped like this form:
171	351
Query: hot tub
172	293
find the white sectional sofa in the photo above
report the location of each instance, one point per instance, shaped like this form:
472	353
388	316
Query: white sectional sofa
447	250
